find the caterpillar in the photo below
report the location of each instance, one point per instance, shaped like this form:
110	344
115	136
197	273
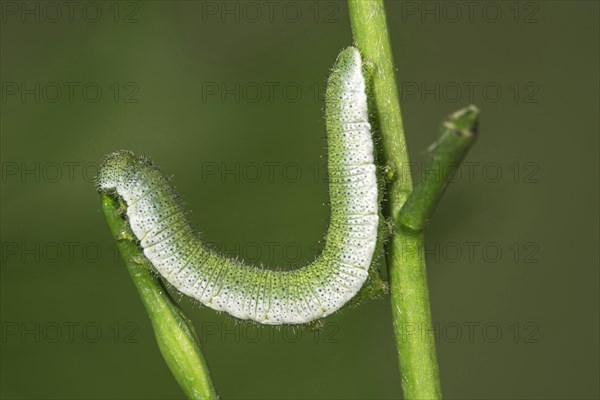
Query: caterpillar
158	221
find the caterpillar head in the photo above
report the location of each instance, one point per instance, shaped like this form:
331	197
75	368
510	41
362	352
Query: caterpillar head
113	169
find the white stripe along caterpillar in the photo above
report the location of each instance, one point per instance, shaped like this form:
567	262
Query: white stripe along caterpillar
313	291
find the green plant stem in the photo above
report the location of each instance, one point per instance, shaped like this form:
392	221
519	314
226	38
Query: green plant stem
174	332
408	279
458	135
410	298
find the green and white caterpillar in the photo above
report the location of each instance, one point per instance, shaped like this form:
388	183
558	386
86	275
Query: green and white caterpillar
313	291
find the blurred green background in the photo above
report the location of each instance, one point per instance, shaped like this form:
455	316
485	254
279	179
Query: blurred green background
226	97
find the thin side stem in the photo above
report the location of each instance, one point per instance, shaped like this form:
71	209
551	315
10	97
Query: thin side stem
458	135
408	278
174	333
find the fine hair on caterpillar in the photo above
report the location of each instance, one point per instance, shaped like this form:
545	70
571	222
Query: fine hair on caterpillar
158	221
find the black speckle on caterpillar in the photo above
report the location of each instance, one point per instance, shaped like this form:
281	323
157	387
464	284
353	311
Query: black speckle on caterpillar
158	221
